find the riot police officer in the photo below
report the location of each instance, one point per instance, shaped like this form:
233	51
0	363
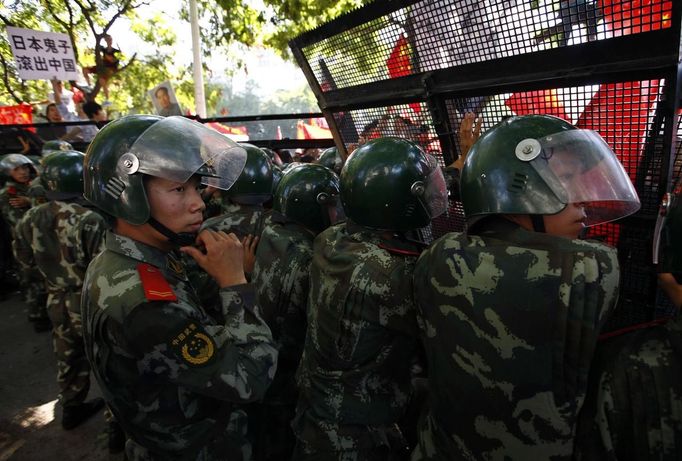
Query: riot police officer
170	372
305	203
355	374
510	310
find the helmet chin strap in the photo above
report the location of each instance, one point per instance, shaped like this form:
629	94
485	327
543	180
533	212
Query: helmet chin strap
181	239
538	221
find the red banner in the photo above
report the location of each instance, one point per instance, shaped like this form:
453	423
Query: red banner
22	113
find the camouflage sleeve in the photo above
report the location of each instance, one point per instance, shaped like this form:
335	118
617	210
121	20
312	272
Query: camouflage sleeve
235	361
21	245
5	207
589	301
93	228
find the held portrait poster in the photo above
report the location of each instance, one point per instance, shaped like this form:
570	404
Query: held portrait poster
164	100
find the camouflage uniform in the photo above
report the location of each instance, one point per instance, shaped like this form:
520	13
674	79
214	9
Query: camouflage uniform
12	215
240	219
61	239
354	375
168	371
509	319
36	192
633	409
35	295
281	280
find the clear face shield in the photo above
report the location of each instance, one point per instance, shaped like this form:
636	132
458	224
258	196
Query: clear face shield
579	167
433	191
176	148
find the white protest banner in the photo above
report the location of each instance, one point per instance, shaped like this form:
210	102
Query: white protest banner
42	55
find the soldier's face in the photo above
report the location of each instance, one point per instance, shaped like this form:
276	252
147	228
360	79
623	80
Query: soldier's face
178	206
568	223
21	174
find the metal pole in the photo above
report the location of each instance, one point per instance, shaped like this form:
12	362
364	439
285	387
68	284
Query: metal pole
199	97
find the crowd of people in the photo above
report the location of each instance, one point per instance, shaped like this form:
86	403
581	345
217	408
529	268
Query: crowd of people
235	306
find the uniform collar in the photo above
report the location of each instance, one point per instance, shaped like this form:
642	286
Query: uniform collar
168	262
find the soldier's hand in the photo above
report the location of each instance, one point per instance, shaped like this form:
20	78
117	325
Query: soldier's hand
223	258
20	202
250	243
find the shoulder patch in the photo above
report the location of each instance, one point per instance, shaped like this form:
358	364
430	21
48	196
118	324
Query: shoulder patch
155	286
194	345
399	251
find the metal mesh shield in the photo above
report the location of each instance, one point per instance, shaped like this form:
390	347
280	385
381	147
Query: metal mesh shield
414	68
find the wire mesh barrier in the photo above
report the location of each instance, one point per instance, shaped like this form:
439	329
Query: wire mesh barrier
414	68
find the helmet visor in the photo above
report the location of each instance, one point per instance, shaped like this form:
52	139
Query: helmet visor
580	167
435	196
176	148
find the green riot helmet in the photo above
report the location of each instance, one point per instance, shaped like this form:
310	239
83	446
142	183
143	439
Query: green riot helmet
174	148
56	145
391	184
309	195
277	174
11	161
254	185
537	165
274	157
667	251
62	175
331	159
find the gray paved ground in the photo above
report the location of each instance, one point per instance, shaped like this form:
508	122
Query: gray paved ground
30	418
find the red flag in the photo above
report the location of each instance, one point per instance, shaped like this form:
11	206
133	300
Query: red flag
399	65
537	102
624	17
21	113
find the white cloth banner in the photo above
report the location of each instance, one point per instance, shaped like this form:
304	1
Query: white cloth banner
42	55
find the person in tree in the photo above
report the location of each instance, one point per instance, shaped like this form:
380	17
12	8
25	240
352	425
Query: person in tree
107	69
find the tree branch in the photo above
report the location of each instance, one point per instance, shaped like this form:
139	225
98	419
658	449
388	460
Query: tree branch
5	80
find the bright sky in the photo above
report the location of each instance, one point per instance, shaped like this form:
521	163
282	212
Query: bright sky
270	71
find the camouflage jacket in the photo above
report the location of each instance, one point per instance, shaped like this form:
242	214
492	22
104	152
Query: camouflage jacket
510	320
281	280
167	369
240	219
633	409
37	193
12	215
362	335
60	239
